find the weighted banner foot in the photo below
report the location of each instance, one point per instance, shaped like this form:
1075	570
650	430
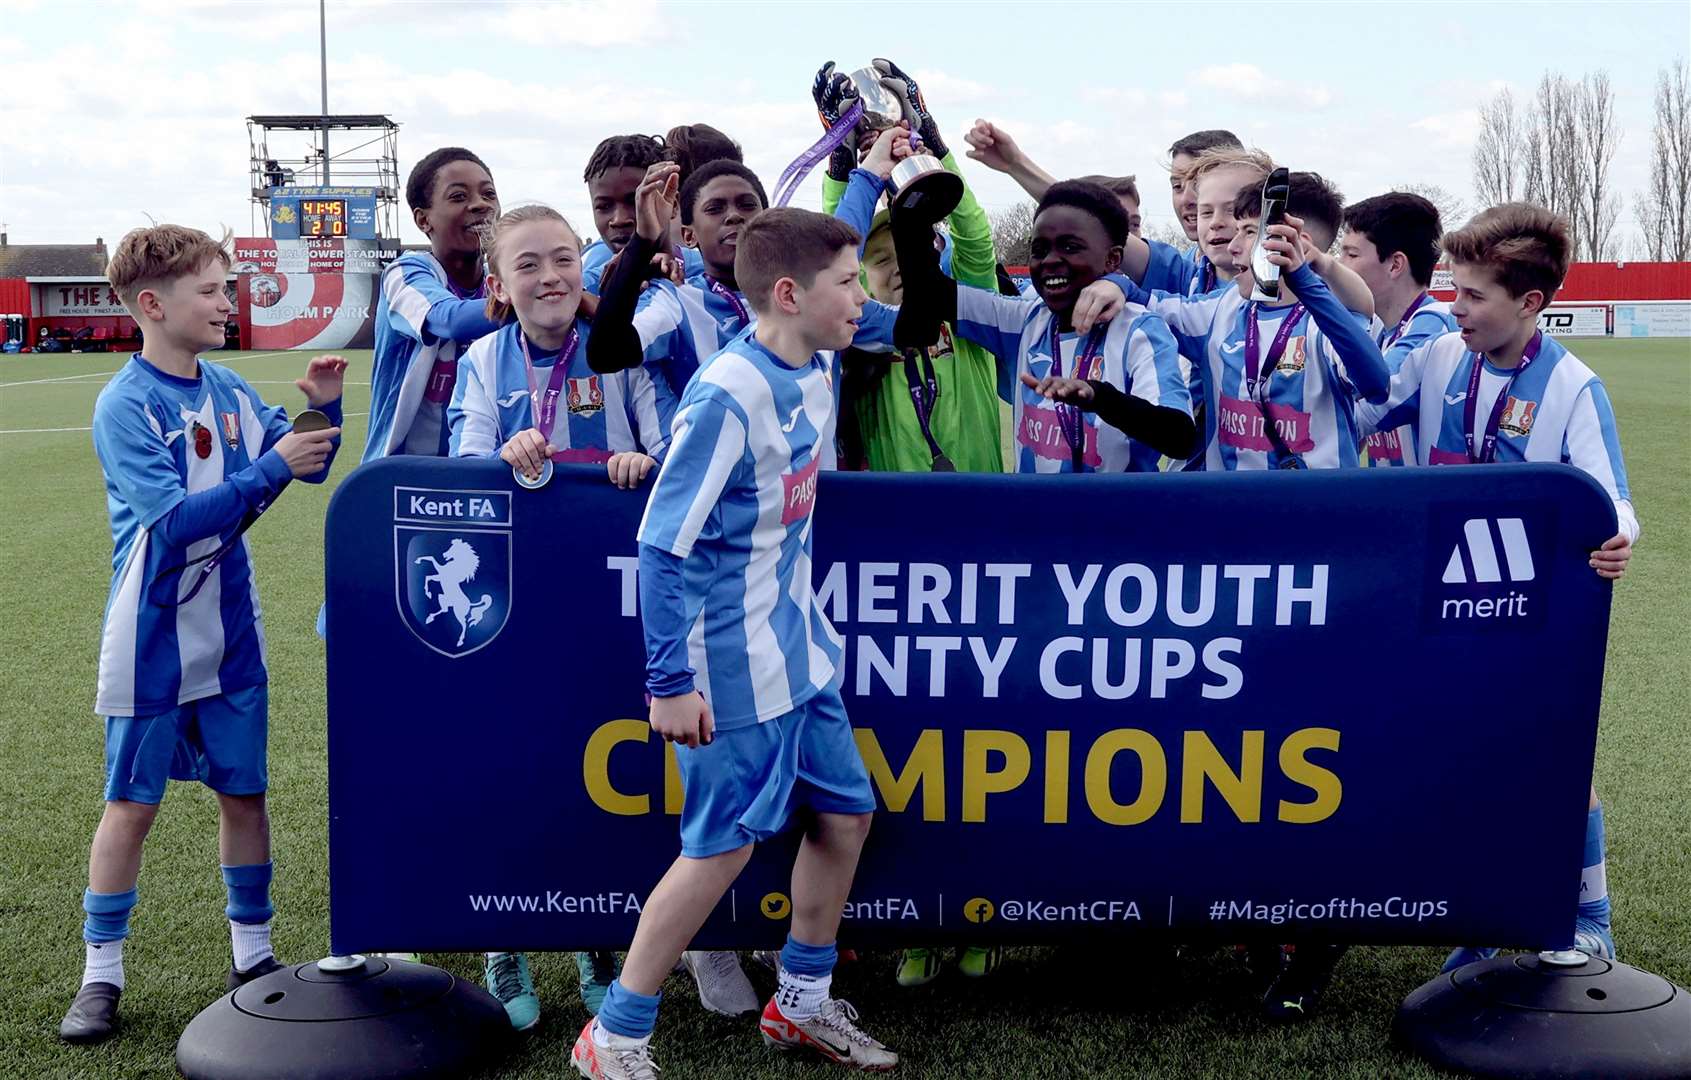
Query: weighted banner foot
1523	1016
346	1017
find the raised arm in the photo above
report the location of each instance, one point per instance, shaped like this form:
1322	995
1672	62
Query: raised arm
993	147
614	344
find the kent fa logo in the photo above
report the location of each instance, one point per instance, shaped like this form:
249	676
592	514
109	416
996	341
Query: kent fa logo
452	566
1482	571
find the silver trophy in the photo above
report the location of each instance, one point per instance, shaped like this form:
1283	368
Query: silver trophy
1265	276
920	186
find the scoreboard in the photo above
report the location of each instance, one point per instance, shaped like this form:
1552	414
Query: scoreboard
326	213
322	217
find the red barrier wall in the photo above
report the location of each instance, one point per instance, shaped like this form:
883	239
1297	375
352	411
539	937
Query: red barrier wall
1627	281
14	296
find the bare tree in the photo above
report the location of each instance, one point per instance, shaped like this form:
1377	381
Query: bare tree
1555	169
1670	161
1661	209
1650	210
1599	135
1453	208
1012	232
1499	151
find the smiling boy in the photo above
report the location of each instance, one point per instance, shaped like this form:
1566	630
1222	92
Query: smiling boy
1278	378
191	456
432	305
1501	390
1112	400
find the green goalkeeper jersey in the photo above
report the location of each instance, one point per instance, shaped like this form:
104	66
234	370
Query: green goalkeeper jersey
966	415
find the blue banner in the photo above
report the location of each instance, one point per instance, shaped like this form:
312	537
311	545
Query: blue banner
1356	706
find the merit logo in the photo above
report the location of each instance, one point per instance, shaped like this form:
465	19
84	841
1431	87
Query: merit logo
1482	554
1483	572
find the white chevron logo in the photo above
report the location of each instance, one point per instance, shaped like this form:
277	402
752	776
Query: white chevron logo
1482	553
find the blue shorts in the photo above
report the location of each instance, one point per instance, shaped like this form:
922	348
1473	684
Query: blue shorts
219	741
745	785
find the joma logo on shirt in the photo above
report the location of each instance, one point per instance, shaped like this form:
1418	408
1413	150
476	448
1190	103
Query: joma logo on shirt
1517	416
799	493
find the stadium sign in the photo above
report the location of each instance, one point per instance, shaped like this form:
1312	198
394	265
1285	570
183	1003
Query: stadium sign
1662	319
1575	320
1352	705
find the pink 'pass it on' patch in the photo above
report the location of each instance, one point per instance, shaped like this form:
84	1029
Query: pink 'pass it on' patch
799	493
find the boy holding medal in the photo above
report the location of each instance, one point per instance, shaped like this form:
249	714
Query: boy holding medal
1500	390
526	393
191	455
1392	242
725	557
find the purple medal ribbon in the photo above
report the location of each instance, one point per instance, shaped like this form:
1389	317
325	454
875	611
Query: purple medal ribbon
1403	323
728	295
1488	444
787	186
1068	416
546	409
1254	366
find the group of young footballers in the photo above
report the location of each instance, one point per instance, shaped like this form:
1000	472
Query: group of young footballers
726	351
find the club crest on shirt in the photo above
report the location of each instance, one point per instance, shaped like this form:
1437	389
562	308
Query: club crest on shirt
1517	416
944	346
231	428
586	396
1292	360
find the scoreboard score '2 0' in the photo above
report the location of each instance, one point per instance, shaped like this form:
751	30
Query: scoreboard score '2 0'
322	217
323	213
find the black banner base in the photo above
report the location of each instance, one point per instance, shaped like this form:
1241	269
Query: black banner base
1522	1017
344	1018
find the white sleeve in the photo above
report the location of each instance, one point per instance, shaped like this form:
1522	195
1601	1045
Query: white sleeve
1593	445
472	418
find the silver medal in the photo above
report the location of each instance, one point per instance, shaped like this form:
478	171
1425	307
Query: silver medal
539	481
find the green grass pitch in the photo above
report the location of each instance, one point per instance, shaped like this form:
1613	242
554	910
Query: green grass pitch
1048	1012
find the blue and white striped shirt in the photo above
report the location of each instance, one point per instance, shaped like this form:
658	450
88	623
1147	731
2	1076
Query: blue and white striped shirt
1137	355
160	439
1431	320
422	327
734	501
1557	410
596	415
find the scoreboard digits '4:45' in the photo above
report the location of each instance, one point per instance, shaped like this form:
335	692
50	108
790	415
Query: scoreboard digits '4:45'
322	217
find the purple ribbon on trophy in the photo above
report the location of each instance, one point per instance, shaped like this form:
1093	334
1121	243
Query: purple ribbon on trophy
793	175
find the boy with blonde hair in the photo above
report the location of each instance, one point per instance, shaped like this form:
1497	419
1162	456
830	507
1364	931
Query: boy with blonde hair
191	455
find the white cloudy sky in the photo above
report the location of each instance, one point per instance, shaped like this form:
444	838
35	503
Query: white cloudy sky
112	112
